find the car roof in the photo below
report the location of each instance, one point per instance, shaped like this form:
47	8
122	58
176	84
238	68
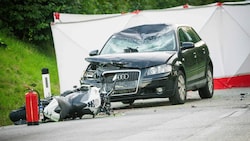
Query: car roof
146	30
150	29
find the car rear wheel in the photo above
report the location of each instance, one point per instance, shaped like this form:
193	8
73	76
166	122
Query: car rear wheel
180	95
208	90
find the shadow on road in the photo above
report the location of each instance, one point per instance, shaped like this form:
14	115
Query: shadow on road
151	103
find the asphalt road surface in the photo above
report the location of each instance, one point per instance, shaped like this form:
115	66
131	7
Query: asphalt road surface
225	117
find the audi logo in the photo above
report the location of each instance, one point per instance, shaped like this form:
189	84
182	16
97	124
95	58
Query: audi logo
123	76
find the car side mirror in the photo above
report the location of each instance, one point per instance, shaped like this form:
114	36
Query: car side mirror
93	53
187	45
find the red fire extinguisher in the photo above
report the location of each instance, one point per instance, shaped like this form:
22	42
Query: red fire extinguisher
32	111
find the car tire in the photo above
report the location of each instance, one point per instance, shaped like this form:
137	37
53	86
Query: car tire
18	116
208	90
180	91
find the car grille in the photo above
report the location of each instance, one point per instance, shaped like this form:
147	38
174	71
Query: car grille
126	82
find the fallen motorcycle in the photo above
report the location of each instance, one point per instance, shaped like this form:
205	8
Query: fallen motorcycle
73	104
84	100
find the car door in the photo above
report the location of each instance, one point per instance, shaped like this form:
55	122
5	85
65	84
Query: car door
200	51
188	56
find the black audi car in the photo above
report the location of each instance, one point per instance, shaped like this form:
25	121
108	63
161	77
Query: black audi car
152	61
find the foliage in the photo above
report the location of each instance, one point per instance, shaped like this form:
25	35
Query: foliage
29	20
123	6
21	65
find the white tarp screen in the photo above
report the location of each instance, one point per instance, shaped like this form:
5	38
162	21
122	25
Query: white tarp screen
225	29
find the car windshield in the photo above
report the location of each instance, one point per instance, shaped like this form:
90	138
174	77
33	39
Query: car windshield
145	43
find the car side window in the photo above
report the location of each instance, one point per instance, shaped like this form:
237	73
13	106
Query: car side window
195	37
183	36
187	34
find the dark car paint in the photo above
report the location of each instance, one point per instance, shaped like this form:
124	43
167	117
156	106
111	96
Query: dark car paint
147	88
133	60
191	59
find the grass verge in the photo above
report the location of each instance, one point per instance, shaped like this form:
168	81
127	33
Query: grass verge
20	65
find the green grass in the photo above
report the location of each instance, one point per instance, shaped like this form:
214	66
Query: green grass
20	65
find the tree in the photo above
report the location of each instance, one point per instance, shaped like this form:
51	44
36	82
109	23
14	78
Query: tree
30	20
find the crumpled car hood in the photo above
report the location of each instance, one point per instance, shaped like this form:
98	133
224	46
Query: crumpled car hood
132	60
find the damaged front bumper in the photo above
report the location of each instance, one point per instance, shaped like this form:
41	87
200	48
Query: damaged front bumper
132	85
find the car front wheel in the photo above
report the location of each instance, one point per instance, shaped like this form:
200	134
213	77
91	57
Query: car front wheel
180	91
208	90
